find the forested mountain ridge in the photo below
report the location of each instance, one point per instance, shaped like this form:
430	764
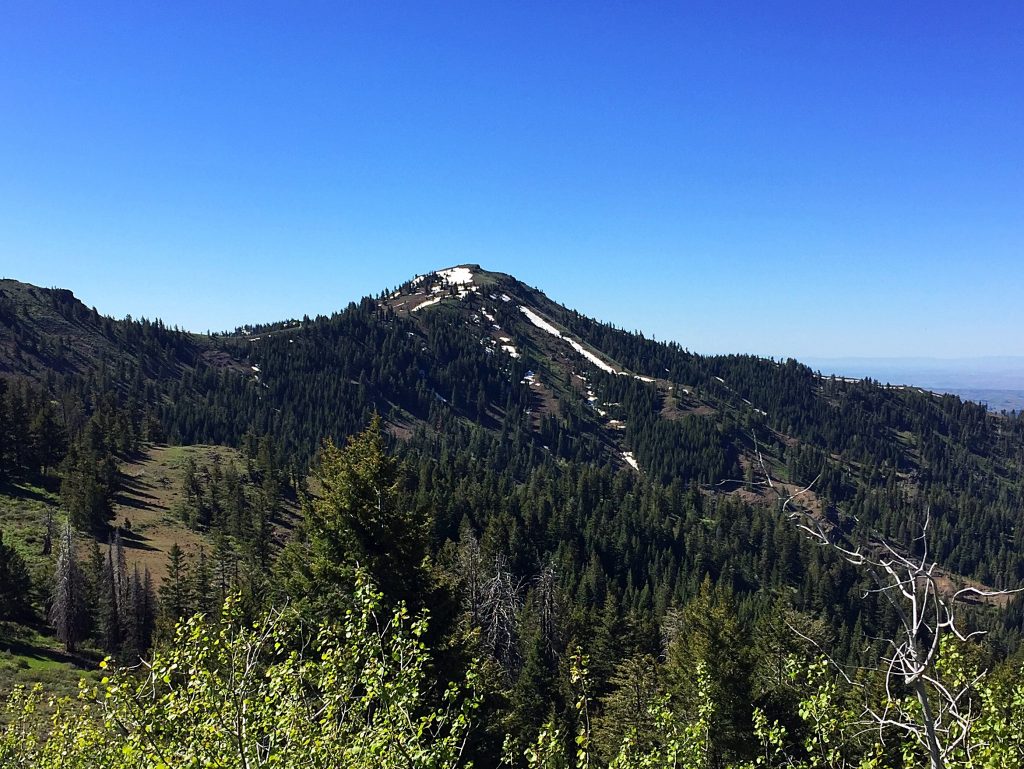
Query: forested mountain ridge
48	332
471	349
561	487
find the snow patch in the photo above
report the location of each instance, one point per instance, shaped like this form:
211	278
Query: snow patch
643	378
427	303
542	324
630	460
511	350
539	322
456	275
459	277
590	356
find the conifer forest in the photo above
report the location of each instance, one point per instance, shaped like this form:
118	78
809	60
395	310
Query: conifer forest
458	524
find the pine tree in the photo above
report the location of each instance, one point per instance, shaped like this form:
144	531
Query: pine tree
67	609
122	583
708	634
201	588
114	609
15	584
627	708
95	590
225	568
175	590
147	611
358	519
139	631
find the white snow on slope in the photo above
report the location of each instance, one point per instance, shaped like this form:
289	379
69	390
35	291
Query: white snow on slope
589	356
460	277
511	350
456	275
630	460
427	303
542	324
539	322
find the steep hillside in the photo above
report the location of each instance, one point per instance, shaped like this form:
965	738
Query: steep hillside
464	348
466	360
608	490
47	333
151	512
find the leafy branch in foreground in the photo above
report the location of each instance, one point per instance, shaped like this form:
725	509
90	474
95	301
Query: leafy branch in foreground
271	694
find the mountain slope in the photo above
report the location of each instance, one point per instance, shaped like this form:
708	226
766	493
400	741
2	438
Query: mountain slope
461	350
48	332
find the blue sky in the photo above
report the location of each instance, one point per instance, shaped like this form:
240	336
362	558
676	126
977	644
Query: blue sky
806	179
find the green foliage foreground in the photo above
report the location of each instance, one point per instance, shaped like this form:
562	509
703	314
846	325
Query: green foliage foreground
271	694
359	693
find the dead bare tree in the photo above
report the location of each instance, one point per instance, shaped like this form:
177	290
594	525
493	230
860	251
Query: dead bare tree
67	609
927	615
548	606
501	604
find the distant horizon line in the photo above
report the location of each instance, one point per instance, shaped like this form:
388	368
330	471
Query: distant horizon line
913	358
814	361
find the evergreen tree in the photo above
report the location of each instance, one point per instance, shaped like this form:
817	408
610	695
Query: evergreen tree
201	587
358	519
15	584
96	591
139	635
88	485
708	635
225	568
629	707
115	611
175	590
67	609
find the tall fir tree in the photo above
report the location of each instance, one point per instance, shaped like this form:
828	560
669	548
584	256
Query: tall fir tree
67	608
175	594
15	584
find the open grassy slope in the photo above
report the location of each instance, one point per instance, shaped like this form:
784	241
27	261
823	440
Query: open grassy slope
148	511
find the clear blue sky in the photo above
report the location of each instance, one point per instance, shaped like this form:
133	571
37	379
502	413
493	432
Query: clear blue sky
807	179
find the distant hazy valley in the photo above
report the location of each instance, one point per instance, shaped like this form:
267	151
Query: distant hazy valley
998	382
